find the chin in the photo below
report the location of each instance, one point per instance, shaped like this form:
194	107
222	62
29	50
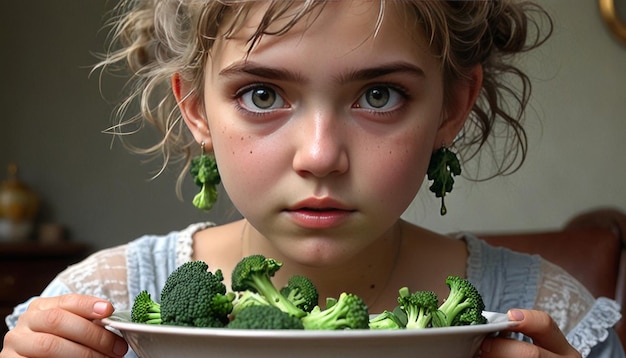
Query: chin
321	253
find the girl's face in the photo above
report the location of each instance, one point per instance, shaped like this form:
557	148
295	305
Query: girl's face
323	135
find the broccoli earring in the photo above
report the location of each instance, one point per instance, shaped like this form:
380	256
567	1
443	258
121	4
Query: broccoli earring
205	174
443	165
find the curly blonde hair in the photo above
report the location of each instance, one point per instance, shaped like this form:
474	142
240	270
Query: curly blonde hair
154	39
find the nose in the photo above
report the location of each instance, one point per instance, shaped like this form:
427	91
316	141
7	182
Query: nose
321	146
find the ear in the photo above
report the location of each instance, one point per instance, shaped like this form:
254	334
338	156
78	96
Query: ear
462	98
191	109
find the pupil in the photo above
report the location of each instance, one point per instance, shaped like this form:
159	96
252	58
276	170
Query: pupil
378	97
263	98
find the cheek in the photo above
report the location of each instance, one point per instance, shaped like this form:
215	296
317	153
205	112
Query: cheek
244	166
398	171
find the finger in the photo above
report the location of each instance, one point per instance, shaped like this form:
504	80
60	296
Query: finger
500	347
542	329
76	329
83	305
20	344
69	318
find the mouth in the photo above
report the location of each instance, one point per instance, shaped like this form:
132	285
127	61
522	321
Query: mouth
319	213
325	204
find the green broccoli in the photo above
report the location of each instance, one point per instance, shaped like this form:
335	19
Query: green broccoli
145	310
464	305
386	320
470	317
206	176
301	291
418	306
194	296
246	299
264	317
348	312
254	273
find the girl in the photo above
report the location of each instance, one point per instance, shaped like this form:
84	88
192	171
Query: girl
323	118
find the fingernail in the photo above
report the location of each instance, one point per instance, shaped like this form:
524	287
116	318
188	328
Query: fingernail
100	308
516	315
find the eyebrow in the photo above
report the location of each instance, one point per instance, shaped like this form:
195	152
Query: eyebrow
255	69
379	71
277	73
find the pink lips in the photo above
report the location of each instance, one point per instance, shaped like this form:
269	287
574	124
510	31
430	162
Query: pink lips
322	213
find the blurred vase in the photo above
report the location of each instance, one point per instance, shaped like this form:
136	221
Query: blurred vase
18	207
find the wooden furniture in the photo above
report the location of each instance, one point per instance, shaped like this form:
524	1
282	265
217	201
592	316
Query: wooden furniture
27	267
591	247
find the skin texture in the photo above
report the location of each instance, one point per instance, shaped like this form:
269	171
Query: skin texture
63	327
320	173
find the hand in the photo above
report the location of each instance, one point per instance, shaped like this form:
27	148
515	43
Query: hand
548	340
62	327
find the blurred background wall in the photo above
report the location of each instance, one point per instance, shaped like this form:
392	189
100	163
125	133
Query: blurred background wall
53	116
576	125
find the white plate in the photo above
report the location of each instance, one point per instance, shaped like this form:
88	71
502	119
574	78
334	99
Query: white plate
160	341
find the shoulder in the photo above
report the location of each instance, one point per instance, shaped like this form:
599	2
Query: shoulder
505	278
151	258
177	243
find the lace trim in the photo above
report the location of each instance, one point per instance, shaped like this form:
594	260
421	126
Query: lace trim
184	242
594	328
564	297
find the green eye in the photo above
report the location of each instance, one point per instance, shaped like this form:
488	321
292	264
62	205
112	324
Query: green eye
380	98
377	97
261	98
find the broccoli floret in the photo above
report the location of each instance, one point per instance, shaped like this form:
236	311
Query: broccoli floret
246	299
205	199
418	306
469	317
301	291
145	310
264	317
254	273
204	171
349	312
464	305
194	296
386	320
